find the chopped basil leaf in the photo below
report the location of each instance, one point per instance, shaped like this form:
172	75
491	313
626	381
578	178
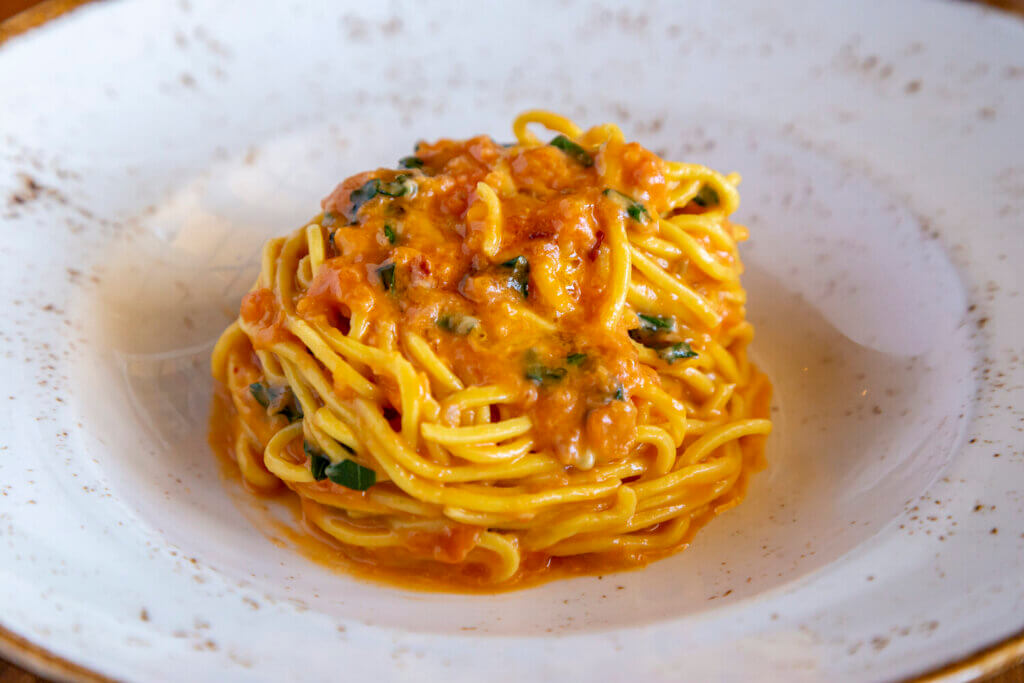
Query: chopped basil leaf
572	150
650	331
457	323
543	375
706	197
670	354
348	473
328	220
261	393
656	322
634	209
619	394
401	186
352	475
387	276
537	372
318	462
575	358
359	197
410	162
277	400
520	280
389	232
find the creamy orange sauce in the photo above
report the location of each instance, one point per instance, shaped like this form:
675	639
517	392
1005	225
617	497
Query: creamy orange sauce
556	221
527	317
403	570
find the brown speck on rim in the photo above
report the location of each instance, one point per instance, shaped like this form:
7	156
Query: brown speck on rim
912	87
986	113
392	26
994	531
30	190
144	615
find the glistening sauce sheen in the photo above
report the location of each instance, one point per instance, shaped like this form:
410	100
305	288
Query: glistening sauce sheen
502	363
315	545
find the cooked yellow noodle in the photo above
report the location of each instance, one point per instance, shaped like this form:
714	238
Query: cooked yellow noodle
464	455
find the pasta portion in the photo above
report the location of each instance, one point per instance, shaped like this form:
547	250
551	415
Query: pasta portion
502	363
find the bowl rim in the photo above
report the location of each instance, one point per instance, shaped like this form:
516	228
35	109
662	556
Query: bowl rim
986	661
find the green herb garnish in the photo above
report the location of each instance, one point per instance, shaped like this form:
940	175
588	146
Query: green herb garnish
537	372
387	276
359	197
401	186
619	394
389	232
634	209
520	280
261	393
706	197
543	375
575	358
651	328
656	322
410	162
670	354
352	475
573	150
318	462
457	323
277	400
327	220
347	473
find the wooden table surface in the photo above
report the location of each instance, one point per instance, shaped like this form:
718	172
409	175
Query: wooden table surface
9	673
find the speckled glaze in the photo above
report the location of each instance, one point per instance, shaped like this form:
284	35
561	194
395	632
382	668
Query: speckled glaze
147	149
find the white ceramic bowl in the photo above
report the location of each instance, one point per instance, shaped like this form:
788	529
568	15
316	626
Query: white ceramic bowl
147	149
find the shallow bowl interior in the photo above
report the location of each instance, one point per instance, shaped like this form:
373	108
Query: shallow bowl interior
871	373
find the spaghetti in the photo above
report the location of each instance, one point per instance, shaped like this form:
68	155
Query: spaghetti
502	362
